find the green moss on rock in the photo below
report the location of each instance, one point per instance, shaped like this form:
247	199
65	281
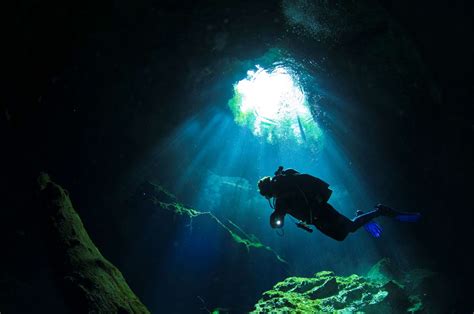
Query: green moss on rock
239	236
327	293
91	283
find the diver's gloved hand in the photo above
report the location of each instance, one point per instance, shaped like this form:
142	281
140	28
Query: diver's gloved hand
276	221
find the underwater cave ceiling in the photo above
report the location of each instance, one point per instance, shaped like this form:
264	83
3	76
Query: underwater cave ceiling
342	51
211	53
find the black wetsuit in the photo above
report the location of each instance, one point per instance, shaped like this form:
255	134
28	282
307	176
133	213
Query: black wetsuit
305	198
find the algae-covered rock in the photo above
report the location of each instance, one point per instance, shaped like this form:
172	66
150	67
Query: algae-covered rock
165	202
327	293
220	264
384	271
91	283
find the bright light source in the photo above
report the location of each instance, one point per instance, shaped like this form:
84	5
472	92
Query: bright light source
278	222
273	105
271	96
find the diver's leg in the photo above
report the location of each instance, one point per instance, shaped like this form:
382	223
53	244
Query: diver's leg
381	210
362	219
371	227
332	223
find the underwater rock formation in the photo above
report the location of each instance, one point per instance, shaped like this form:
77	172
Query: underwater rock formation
176	246
239	236
332	22
378	292
158	202
91	284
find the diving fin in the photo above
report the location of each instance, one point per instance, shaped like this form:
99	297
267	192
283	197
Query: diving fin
373	229
408	217
398	215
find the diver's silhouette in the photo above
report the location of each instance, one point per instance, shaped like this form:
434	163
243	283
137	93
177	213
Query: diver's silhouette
306	198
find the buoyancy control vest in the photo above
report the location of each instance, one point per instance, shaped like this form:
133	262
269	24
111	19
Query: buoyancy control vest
315	189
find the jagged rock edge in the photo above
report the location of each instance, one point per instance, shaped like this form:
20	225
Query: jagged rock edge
249	241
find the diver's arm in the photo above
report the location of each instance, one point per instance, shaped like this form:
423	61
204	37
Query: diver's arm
277	218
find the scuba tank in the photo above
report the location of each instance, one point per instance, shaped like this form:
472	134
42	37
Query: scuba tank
321	188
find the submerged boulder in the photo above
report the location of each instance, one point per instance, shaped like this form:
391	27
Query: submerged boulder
383	271
91	284
378	292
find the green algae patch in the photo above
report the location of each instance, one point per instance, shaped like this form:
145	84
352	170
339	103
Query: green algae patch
327	293
91	284
181	210
237	234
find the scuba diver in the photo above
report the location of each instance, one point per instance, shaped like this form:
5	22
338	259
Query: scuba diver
306	198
